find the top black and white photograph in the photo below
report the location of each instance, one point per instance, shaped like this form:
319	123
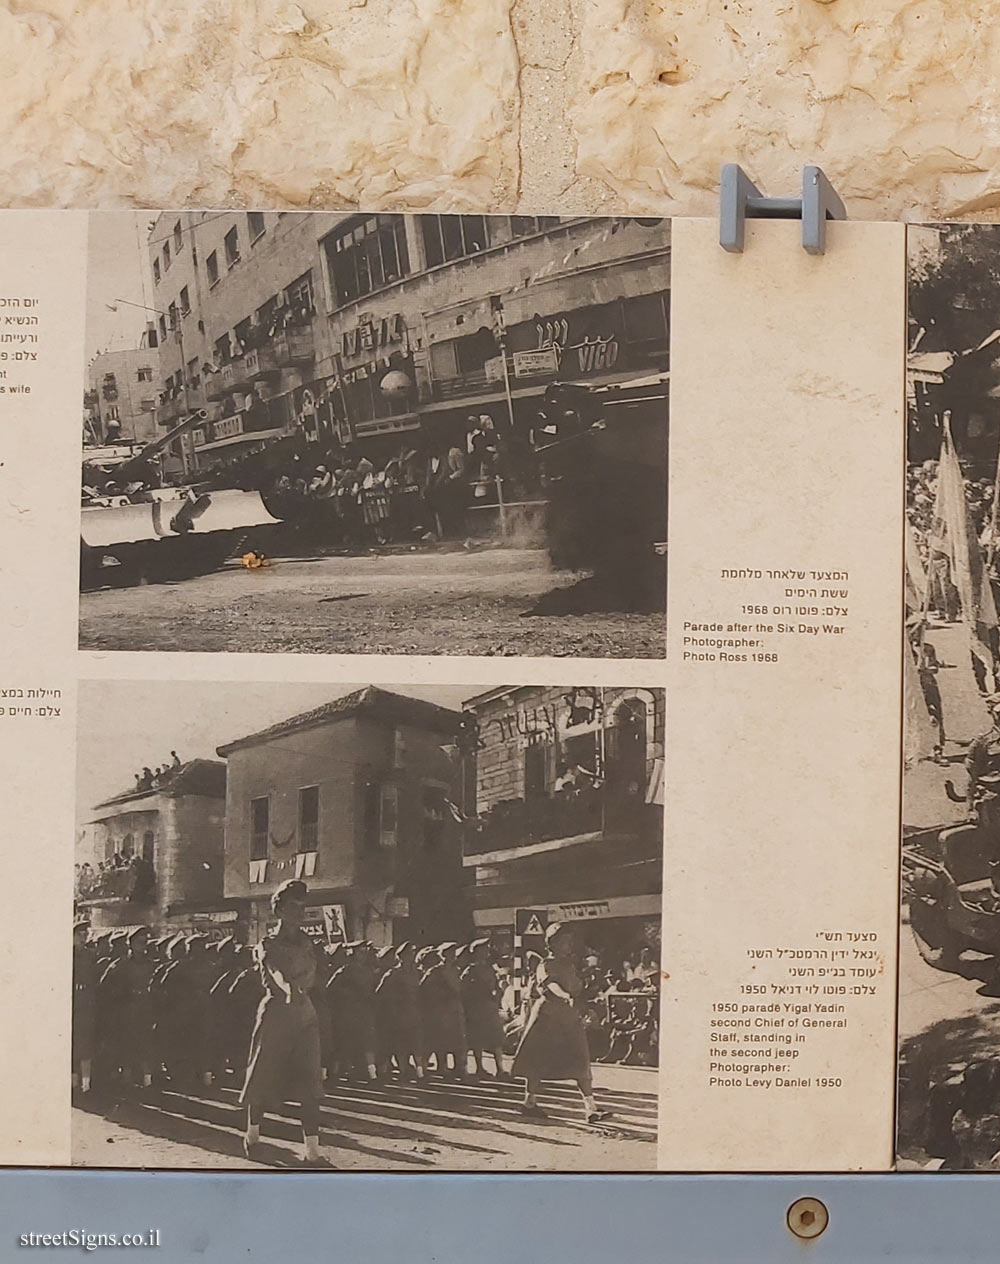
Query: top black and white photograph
375	433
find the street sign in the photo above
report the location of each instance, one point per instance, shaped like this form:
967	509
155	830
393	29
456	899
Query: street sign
533	363
529	936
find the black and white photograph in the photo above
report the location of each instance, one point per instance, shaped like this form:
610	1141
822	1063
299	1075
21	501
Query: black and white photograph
375	433
413	928
949	990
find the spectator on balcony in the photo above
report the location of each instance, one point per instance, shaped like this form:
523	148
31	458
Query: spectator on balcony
573	778
175	760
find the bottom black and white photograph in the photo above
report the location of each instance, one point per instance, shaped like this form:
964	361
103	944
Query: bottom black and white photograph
367	927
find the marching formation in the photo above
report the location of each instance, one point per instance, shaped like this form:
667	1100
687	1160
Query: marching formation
293	1014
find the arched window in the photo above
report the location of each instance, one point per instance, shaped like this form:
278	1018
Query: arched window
148	846
626	755
127	845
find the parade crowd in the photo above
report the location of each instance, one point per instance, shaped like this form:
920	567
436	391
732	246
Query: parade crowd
294	1014
350	497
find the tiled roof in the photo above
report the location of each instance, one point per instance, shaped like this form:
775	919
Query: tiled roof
206	777
379	704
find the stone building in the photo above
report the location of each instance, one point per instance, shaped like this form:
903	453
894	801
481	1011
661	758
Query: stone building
376	328
121	395
172	835
564	805
356	798
235	295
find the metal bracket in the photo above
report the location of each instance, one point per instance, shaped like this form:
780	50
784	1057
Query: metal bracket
740	200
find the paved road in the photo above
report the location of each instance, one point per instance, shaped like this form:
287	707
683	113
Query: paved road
403	1127
490	601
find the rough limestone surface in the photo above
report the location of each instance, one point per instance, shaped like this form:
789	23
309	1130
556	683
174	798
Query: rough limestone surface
562	105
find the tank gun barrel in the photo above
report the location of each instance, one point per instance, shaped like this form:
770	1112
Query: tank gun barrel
157	446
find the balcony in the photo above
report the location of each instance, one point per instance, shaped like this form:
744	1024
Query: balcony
234	374
475	383
513	823
261	362
288	347
295	346
215	388
134	883
169	411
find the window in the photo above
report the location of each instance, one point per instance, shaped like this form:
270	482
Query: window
260	827
232	247
388	815
626	753
255	225
112	413
148	844
163	328
448	237
309	818
144	375
147	405
536	761
223	349
525	225
166	255
300	292
436	815
366	253
645	320
212	268
127	846
185	300
156	271
178	238
172	315
381	814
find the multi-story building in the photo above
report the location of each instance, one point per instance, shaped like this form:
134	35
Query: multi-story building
120	399
564	806
153	855
356	798
371	328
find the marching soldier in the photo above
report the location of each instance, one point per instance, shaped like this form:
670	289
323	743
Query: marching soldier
481	1000
85	979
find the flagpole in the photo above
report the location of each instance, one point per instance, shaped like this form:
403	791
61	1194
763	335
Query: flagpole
995	515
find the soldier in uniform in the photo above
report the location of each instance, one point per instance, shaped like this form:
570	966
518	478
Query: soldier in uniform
354	1010
398	995
85	977
441	997
481	999
137	967
284	1060
983	766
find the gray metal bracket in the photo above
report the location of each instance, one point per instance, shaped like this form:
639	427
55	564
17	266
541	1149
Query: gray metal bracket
740	200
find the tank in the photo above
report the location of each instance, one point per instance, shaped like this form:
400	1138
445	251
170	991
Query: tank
133	531
606	467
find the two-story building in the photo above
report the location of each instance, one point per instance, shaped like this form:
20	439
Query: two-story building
564	807
356	798
153	855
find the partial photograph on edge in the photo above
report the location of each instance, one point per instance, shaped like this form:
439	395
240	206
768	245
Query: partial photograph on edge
949	980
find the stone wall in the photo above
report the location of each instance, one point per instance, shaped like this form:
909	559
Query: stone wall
568	106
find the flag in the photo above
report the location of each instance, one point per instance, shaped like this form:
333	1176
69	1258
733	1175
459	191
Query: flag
953	536
919	733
